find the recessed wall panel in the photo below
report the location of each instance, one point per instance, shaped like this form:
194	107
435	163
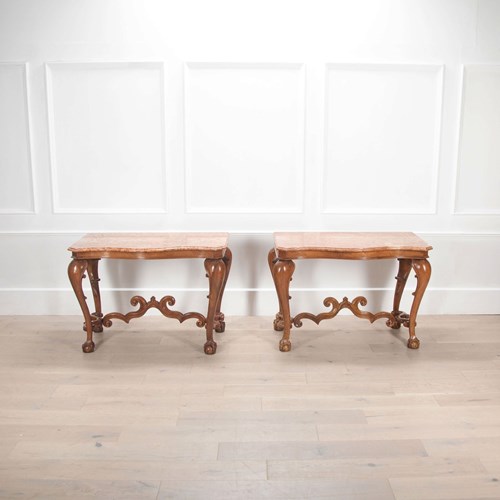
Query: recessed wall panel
107	137
382	129
244	137
16	186
478	179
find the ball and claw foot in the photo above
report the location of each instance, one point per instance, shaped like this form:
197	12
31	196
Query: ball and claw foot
210	347
96	327
395	325
413	343
285	345
88	347
219	323
220	327
398	318
278	323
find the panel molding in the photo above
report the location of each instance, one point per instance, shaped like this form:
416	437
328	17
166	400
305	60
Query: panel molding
456	170
29	142
56	208
438	68
188	174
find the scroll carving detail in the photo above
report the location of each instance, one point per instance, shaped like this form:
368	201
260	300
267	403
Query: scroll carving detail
161	305
396	318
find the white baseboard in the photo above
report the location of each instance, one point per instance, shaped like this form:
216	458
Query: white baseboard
253	302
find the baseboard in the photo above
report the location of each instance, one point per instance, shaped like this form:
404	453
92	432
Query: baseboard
253	302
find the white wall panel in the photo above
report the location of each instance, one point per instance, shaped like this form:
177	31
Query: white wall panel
107	137
244	137
16	186
488	21
382	138
478	176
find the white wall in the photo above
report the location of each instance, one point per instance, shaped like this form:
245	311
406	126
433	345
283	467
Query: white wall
249	117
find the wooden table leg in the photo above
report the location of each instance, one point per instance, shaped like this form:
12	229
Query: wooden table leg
92	269
282	271
422	270
76	273
219	323
278	324
216	271
401	279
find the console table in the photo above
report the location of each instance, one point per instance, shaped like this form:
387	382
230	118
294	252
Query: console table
91	248
410	250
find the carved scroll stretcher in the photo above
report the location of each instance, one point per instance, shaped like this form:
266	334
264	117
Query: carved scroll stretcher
345	304
161	305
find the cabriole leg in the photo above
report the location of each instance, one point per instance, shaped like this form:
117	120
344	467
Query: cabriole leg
219	323
282	275
422	270
216	270
278	320
76	273
92	269
401	279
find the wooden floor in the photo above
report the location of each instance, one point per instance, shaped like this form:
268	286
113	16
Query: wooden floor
350	412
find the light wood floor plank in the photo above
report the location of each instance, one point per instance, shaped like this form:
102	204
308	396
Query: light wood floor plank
346	402
97	450
50	489
444	488
309	390
482	399
484	448
348	489
322	450
375	468
473	416
136	470
209	403
38	416
190	418
401	430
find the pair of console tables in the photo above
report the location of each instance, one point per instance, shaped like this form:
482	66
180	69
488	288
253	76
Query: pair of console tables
410	250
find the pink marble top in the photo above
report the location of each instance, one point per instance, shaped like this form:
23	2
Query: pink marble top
349	242
149	242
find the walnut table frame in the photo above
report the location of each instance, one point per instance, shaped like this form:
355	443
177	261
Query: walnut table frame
409	249
91	248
